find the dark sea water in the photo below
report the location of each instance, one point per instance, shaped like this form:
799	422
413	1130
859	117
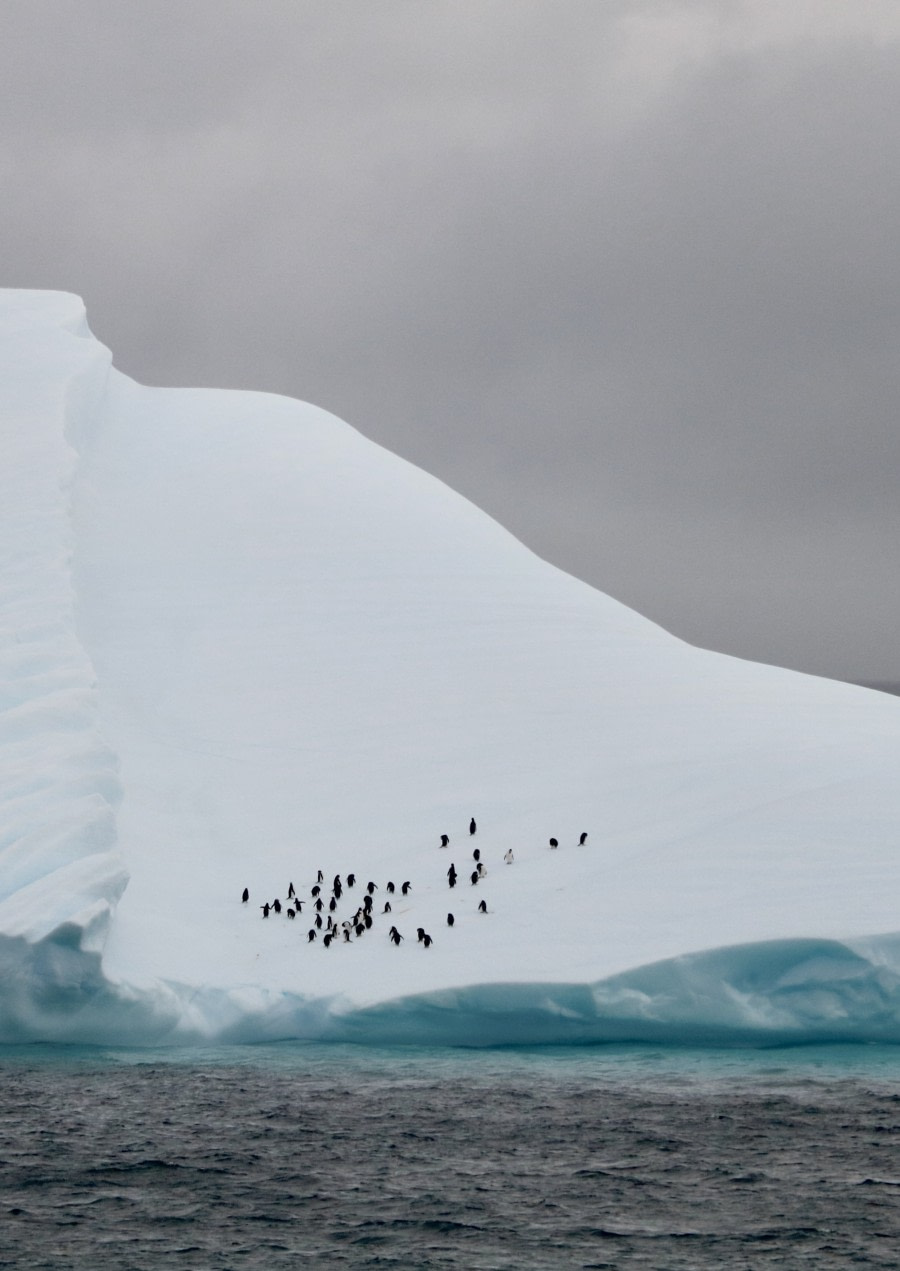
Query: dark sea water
316	1156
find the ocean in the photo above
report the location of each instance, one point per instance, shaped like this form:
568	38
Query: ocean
339	1156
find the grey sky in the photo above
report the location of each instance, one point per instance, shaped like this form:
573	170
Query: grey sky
625	273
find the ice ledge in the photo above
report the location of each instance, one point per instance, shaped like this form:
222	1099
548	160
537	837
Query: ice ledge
784	992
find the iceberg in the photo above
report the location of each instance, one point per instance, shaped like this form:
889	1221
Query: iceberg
242	646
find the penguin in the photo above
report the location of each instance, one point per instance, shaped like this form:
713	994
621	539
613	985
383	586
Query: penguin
346	935
367	922
450	920
291	892
482	872
554	842
476	855
482	908
475	877
318	922
472	826
420	933
367	904
337	891
359	929
332	904
245	895
583	839
395	935
351	879
265	908
290	913
370	888
315	891
451	870
405	888
391	888
337	882
326	940
445	840
310	935
387	907
427	941
276	905
320	904
508	857
321	877
298	905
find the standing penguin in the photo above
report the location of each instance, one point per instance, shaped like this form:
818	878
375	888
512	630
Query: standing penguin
476	855
405	888
321	877
450	920
276	905
554	842
310	935
508	857
427	941
291	892
351	879
482	908
583	839
445	840
245	895
474	877
387	907
472	826
265	908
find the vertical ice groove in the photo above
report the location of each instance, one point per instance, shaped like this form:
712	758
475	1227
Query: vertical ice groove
58	782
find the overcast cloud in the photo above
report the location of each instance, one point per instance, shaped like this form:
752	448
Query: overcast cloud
624	273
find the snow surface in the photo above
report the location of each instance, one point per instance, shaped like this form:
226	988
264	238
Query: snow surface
240	643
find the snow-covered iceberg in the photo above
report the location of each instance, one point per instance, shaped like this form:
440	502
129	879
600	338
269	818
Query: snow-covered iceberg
241	644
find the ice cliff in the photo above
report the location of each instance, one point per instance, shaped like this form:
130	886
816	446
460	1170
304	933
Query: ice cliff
240	644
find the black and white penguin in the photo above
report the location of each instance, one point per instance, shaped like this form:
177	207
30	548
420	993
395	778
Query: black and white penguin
390	889
265	908
315	891
420	933
451	870
360	929
472	826
474	877
508	857
367	922
320	904
450	920
310	936
245	895
337	891
476	855
554	842
318	922
298	905
351	879
395	935
346	935
326	940
387	907
405	888
332	904
482	908
370	887
367	903
427	941
337	882
276	905
583	839
291	892
321	877
290	913
482	871
445	840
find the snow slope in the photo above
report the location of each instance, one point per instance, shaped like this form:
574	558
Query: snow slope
240	644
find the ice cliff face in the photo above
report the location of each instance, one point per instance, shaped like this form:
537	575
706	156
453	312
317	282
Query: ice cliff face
241	644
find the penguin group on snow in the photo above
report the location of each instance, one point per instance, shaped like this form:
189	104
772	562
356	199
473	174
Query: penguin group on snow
361	921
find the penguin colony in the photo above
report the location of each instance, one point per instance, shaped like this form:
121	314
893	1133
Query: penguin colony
330	928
